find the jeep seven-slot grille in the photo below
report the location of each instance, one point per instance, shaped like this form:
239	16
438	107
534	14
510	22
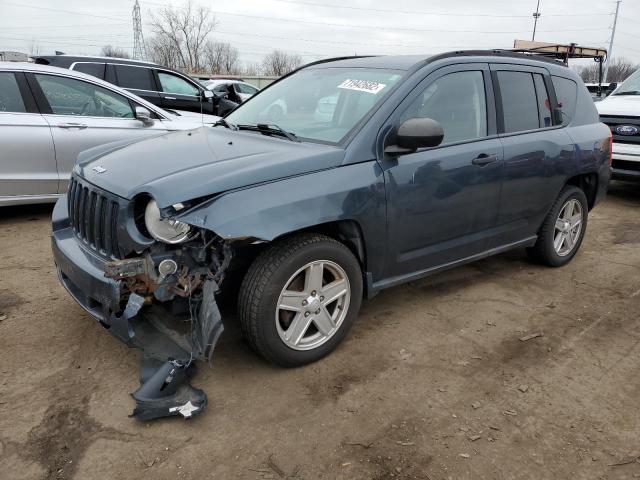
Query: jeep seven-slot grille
94	217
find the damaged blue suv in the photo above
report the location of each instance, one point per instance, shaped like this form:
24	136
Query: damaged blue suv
343	178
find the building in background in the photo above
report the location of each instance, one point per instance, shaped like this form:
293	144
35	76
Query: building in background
8	56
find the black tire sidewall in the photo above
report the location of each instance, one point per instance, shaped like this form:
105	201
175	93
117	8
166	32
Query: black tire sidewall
548	234
277	350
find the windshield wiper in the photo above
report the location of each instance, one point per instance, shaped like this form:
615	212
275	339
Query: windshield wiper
629	92
225	124
270	129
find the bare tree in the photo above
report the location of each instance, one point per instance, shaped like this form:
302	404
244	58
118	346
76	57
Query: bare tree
163	52
115	52
619	69
181	33
279	63
221	58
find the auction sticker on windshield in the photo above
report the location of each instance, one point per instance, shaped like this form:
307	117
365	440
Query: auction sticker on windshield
362	86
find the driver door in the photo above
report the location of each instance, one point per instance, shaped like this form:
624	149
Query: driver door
83	115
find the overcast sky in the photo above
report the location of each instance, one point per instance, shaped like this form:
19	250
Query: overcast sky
317	28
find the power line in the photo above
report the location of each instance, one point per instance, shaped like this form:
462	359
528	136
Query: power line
37	7
401	29
413	12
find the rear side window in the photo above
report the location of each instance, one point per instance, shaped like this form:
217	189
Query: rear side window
10	98
519	101
137	78
95	69
566	92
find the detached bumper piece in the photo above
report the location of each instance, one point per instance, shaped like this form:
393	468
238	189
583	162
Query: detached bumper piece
169	345
167	356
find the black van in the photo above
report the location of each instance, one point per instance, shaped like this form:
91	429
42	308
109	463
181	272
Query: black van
162	86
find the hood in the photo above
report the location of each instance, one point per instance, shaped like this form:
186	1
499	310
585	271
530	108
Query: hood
627	105
184	165
193	118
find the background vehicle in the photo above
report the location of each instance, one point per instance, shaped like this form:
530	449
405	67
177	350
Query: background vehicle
420	164
49	115
607	88
161	86
236	89
621	112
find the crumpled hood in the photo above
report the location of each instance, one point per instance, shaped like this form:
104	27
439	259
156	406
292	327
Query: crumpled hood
184	165
628	105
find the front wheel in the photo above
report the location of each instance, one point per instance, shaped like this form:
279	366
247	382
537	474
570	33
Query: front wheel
563	229
299	299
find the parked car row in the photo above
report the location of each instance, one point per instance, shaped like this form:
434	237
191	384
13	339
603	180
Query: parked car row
49	115
161	86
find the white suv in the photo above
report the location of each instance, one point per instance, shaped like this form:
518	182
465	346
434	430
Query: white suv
621	112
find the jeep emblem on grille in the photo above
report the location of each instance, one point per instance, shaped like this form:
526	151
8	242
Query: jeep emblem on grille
627	130
99	169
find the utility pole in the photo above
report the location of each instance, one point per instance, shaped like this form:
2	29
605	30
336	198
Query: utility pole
139	48
536	16
613	34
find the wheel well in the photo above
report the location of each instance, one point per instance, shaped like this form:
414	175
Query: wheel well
347	232
588	182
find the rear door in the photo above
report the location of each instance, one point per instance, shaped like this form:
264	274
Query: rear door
538	152
27	162
84	115
139	80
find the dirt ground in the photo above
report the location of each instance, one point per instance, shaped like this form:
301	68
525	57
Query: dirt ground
433	381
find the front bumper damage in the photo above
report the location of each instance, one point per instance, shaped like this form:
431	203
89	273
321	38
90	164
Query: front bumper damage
133	301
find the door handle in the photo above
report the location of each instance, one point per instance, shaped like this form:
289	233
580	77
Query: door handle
169	98
484	159
79	126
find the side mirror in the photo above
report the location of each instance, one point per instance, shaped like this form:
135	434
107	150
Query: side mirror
144	116
207	95
612	86
416	133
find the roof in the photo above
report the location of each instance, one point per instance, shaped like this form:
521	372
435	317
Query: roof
67	60
410	62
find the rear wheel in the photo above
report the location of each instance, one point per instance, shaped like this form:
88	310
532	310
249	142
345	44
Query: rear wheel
563	229
299	299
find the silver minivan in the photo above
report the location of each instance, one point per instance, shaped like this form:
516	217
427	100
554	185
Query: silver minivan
49	115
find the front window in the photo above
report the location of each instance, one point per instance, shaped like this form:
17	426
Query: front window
631	86
171	83
322	104
68	96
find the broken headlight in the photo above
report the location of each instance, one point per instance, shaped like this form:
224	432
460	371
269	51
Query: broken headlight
165	230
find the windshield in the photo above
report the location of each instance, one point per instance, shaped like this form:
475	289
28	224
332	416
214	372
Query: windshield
631	86
322	104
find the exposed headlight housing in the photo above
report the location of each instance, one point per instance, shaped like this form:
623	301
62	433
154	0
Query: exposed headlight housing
165	229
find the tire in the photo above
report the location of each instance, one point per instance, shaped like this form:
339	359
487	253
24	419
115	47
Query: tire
295	263
544	251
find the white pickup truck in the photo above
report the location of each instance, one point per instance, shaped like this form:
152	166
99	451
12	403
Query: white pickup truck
621	112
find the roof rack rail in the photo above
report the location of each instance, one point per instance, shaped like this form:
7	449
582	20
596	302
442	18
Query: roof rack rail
562	53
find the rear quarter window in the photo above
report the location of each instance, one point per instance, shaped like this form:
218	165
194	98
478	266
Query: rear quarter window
566	93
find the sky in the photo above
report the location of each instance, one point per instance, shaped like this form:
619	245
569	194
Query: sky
317	29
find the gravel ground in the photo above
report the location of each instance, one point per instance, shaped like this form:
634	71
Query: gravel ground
433	382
